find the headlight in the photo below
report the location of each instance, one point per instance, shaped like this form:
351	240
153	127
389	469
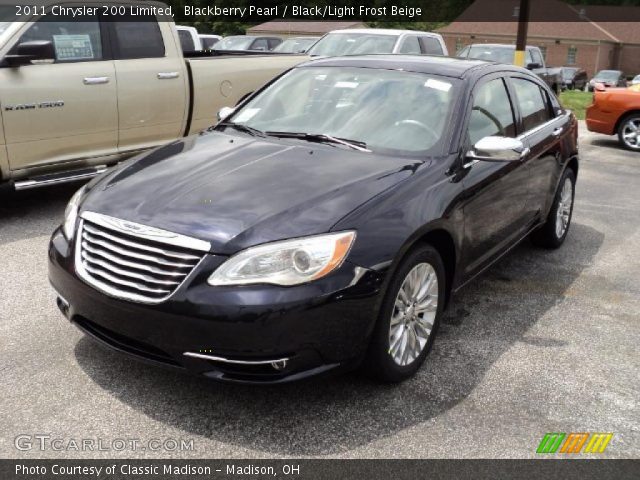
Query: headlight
289	262
71	213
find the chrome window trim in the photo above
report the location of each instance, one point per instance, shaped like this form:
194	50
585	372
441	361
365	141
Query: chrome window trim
146	232
542	126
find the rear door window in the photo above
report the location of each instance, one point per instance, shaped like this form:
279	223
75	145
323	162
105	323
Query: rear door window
138	37
532	102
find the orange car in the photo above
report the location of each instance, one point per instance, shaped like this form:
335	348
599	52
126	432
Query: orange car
616	110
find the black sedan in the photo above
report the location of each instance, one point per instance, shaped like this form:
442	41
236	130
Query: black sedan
324	224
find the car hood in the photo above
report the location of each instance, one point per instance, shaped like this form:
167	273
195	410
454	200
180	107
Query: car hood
236	191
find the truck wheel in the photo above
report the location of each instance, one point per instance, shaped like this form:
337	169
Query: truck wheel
629	132
408	318
555	229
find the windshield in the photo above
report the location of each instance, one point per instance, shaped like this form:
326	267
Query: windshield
568	73
389	111
295	45
607	75
234	43
492	54
338	44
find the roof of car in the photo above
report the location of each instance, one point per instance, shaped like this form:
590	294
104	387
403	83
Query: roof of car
383	31
447	66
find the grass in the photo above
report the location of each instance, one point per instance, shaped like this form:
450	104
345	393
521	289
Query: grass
577	101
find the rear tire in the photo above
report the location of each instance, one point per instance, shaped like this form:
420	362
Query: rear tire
629	132
554	231
408	318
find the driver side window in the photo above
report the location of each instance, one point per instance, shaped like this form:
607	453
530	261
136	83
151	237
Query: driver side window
491	113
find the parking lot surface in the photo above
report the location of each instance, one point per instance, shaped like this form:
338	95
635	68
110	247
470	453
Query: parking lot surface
546	341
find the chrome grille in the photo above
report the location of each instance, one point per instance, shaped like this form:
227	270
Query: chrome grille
131	261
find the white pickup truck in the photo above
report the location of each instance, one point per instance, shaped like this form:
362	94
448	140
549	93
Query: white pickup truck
79	93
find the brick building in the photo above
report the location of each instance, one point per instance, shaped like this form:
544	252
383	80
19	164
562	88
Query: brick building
573	39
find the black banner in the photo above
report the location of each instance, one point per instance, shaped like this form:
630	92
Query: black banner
257	11
318	469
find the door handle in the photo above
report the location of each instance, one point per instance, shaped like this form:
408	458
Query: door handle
557	132
95	80
167	75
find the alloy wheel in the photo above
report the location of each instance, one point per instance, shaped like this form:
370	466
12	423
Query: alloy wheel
631	133
564	208
414	314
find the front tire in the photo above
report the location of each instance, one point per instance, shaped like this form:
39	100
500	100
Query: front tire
554	231
629	132
409	316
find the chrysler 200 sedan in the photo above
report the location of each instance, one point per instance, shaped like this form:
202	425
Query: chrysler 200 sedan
323	224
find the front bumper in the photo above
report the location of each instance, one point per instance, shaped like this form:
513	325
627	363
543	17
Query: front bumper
247	334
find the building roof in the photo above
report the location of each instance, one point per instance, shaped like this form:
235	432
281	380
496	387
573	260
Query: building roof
572	22
302	27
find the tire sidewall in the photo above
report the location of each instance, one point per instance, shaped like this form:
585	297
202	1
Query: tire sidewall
568	174
378	352
620	136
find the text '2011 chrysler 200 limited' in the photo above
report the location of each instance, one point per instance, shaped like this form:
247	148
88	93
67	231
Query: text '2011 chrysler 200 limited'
324	223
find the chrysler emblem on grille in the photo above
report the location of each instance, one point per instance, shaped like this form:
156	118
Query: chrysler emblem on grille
138	229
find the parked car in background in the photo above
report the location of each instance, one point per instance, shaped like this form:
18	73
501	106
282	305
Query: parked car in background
248	43
364	41
208	40
504	53
296	44
322	225
608	78
64	115
636	80
616	111
189	39
574	78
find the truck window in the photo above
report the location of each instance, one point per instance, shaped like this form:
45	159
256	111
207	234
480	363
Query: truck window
431	46
537	57
533	107
186	41
410	45
260	44
137	37
491	113
75	40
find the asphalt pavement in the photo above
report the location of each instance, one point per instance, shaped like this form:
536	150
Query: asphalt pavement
546	341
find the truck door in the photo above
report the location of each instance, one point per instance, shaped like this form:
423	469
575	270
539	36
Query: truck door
65	110
152	82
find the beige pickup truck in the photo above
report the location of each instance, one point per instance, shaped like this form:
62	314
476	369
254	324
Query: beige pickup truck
81	92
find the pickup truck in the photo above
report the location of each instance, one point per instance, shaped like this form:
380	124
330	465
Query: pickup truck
503	53
73	103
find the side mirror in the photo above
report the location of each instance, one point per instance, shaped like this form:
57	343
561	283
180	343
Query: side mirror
26	52
532	66
224	112
498	149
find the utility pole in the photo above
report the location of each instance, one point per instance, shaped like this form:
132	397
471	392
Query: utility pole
521	40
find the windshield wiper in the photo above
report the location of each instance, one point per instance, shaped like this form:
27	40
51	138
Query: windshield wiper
243	128
322	138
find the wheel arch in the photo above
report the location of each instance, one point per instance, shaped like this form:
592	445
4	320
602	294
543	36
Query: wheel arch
440	238
623	117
